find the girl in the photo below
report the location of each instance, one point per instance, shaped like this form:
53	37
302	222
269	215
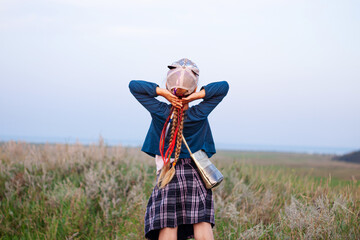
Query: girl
180	207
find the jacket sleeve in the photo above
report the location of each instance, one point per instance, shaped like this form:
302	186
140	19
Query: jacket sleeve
214	93
145	93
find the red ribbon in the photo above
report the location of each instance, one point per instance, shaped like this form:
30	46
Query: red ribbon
166	157
163	132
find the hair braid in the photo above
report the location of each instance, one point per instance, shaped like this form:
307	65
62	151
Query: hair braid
179	139
173	125
168	173
164	174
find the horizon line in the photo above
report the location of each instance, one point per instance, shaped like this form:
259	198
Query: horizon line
220	145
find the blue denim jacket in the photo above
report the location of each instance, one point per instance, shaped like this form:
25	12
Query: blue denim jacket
196	130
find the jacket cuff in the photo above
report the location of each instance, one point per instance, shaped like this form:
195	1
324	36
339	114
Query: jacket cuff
215	89
153	90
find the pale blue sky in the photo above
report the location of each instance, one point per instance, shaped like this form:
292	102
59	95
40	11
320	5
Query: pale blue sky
293	67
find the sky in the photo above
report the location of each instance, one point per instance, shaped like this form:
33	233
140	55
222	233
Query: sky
293	68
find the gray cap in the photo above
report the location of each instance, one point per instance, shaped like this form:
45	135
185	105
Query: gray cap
182	74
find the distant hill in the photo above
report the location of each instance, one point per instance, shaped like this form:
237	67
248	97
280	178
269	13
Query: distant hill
353	157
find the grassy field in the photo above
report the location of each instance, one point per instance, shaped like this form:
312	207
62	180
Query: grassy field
98	192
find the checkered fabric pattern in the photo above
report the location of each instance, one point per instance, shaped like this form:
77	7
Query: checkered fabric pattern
183	202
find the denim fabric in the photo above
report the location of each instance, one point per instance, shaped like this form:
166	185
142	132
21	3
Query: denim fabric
196	130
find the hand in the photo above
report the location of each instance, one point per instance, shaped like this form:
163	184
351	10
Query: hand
194	96
174	100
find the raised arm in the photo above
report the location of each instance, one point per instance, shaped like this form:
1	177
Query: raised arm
212	95
145	93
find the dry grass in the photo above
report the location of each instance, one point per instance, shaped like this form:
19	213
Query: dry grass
99	192
320	165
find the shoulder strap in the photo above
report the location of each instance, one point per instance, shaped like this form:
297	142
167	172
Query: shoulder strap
187	146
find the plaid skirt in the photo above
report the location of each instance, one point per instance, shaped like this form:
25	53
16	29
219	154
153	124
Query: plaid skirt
182	202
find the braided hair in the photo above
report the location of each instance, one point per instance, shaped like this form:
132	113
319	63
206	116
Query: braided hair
167	172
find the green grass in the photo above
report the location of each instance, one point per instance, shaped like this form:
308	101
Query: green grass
100	192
